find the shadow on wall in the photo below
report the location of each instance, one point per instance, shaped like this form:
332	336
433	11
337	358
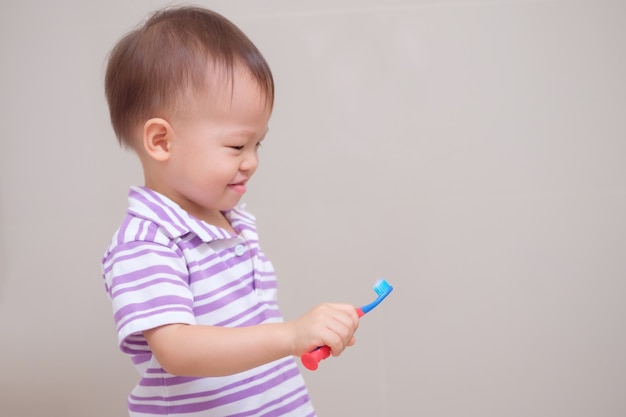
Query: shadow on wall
62	398
26	407
3	263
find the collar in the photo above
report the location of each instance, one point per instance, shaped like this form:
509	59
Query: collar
148	204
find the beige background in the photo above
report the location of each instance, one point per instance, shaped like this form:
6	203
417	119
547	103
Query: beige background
473	153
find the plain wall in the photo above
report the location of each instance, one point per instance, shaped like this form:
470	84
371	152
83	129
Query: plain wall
472	153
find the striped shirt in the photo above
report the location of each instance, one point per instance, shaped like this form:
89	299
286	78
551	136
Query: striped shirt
164	266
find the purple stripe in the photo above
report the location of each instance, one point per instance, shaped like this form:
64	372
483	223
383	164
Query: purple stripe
120	239
203	273
140	228
155	271
217	268
154	248
233	281
174	302
128	348
192	243
298	402
224	400
153	229
247	227
137	274
168	382
262	317
137	343
238	216
200	262
159	209
265	285
224	301
289	407
140	225
139	359
177	380
128	247
121	325
211	231
148	284
255	319
223	288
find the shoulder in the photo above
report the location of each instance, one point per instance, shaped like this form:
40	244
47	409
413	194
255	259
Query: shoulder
135	233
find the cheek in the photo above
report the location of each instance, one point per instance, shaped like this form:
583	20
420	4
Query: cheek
189	167
195	157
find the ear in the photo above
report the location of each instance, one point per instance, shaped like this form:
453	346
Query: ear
157	134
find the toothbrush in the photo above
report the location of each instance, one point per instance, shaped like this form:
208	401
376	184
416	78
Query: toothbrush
311	359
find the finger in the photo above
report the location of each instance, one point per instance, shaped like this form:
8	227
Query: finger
341	336
346	308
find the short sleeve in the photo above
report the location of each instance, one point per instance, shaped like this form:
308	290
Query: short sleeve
148	284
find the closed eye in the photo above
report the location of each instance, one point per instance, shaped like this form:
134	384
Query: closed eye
239	148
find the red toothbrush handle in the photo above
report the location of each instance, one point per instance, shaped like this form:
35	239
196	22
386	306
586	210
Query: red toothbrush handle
311	359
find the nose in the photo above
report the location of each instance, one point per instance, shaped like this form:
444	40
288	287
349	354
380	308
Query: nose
250	162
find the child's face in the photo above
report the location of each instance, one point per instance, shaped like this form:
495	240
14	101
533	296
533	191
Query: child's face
213	151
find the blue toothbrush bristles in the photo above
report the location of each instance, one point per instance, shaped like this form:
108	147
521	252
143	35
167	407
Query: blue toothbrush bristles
382	286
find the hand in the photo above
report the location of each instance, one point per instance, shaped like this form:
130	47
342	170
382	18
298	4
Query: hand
328	324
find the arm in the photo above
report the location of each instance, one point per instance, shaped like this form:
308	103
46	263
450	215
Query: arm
198	350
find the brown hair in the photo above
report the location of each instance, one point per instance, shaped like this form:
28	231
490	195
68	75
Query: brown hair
151	67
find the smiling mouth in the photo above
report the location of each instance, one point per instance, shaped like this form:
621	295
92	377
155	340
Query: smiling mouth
239	187
242	182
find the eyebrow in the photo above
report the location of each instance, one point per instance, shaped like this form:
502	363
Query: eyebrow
249	133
